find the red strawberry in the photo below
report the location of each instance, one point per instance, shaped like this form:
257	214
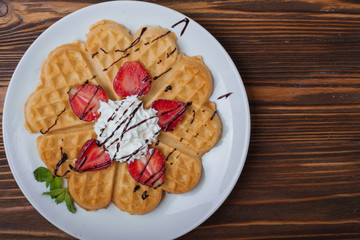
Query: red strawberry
85	100
169	113
92	157
150	169
132	79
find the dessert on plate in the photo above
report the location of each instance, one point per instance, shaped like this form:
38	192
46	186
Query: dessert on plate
124	118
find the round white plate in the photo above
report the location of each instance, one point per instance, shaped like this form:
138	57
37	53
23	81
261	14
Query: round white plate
177	214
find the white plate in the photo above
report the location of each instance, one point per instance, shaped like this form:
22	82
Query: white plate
177	214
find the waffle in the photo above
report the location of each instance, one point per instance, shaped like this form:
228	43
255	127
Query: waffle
48	108
98	60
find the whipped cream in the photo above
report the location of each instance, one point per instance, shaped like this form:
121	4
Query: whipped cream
126	129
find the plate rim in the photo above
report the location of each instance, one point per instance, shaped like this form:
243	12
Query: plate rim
239	81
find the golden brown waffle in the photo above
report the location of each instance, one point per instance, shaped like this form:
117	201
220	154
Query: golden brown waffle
53	145
130	198
92	190
108	46
48	108
183	171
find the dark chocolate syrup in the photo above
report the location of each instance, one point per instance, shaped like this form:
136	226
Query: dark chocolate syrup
178	155
197	134
157	142
144	195
154	174
137	187
167	157
130	155
136	41
158	177
169	54
56	120
192	120
160	36
103	50
94	54
176	116
156	77
143	90
186	20
159	61
147	43
63	159
163	113
168	88
181	139
127	128
136	49
86	110
212	117
145	165
111	118
82	86
188	103
123	56
225	95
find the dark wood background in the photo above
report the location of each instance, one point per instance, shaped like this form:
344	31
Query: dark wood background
300	63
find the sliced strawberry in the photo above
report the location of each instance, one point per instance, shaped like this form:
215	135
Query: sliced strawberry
92	157
150	169
85	100
132	79
169	113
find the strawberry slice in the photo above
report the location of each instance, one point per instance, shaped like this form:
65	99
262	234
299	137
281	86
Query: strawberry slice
85	100
150	169
132	79
92	157
169	113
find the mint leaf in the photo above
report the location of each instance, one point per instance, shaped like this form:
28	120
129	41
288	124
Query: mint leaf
42	174
60	198
69	202
54	193
55	183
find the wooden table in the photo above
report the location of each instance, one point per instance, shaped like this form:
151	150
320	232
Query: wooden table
300	63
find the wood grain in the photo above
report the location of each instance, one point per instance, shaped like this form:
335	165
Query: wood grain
299	60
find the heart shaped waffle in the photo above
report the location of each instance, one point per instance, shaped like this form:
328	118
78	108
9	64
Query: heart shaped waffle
97	61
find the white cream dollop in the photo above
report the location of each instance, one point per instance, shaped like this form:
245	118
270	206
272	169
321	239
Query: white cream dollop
126	129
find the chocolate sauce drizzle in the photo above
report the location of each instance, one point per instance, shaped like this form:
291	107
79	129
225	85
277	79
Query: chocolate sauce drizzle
225	95
111	118
160	36
56	120
136	41
167	157
84	113
137	187
127	128
159	61
212	117
169	54
83	160
103	50
63	159
176	116
197	134
186	20
156	77
157	142
168	88
181	139
94	54
123	56
144	195
193	117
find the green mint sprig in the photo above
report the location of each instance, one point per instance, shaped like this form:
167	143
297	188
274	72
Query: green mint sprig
57	192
